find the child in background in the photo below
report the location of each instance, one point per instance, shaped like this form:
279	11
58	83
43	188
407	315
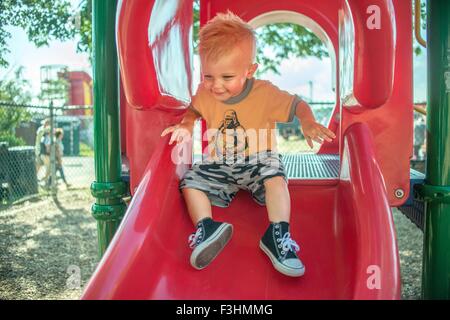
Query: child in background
59	151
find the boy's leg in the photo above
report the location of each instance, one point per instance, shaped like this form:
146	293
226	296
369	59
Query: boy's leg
278	201
277	242
198	186
198	204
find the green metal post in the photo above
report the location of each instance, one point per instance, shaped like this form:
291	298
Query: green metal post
108	189
436	191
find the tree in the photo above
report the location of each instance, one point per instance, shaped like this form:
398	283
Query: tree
42	20
17	92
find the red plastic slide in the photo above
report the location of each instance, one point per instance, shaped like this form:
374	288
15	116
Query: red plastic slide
344	228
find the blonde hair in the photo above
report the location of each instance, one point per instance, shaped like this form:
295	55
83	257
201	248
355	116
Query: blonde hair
59	132
223	33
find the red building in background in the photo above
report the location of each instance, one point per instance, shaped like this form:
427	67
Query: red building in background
80	92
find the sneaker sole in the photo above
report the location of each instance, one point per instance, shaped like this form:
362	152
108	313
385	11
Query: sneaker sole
206	251
280	267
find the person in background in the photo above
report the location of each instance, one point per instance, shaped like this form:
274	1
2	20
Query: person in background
59	151
419	138
44	153
45	126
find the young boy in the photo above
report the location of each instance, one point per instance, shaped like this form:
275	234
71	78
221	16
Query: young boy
240	113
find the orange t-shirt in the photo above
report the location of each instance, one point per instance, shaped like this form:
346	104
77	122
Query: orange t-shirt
245	124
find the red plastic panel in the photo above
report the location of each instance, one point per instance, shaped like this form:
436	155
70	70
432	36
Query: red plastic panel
154	44
367	43
342	230
364	214
345	229
391	124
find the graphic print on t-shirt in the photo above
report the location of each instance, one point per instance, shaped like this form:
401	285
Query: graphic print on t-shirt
231	139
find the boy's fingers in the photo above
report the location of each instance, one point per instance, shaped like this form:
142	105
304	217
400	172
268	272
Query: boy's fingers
310	143
318	140
174	137
324	136
329	133
167	130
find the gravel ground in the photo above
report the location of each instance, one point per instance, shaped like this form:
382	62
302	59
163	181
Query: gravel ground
410	245
45	244
42	242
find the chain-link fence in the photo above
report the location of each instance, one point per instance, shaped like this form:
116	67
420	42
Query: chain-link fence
289	136
44	149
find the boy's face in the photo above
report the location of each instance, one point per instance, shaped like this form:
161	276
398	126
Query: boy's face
225	78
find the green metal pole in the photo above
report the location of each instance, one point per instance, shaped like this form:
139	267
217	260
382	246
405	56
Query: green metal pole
108	189
436	253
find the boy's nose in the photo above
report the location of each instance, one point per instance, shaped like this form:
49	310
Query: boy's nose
217	84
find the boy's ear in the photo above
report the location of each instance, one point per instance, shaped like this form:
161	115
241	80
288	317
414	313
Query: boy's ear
252	70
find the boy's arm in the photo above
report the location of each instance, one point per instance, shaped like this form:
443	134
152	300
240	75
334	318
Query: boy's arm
304	112
189	118
311	129
183	131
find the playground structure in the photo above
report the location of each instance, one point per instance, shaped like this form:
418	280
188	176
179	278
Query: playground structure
342	217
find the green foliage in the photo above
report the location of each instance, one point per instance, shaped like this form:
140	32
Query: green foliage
285	41
42	20
14	91
86	151
11	139
84	26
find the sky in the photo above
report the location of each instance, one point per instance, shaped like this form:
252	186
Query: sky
295	73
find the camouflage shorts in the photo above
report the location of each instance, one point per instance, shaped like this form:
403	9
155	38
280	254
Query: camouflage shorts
222	181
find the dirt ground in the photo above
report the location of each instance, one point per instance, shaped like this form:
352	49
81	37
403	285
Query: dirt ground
45	244
42	242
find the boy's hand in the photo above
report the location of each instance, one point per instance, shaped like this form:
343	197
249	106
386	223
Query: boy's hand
317	132
181	133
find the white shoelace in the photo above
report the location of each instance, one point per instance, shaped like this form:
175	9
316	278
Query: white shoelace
288	244
193	238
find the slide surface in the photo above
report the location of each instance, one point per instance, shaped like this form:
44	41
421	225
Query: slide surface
344	228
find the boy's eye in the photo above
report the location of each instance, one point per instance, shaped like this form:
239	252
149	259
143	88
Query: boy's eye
228	77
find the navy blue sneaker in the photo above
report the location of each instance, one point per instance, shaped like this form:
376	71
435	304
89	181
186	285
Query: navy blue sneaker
208	241
281	249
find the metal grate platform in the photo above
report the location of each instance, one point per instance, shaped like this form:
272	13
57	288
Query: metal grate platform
311	166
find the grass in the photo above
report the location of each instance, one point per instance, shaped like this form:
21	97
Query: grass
86	151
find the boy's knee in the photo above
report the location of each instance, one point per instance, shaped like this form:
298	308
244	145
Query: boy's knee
275	182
